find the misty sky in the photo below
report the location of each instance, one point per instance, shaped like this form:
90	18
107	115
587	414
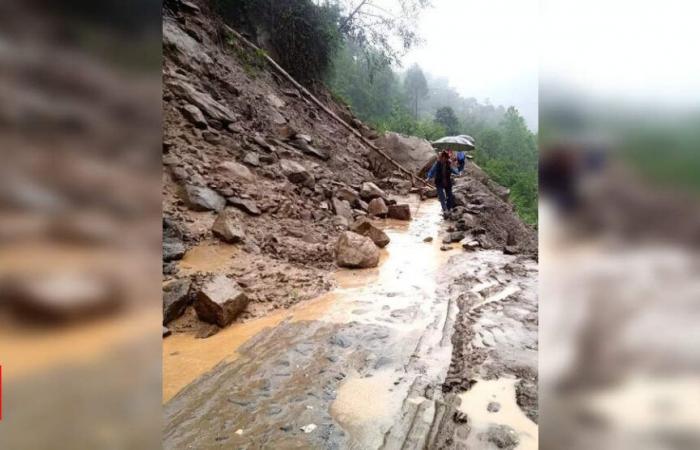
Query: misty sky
486	48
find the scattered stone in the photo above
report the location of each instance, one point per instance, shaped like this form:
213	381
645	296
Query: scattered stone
341	222
252	159
176	297
503	436
173	249
220	300
342	208
428	239
362	205
239	432
348	194
455	236
493	407
305	147
212	137
235	172
296	173
445	248
356	251
471	245
194	115
308	428
364	227
249	206
400	212
203	101
200	198
460	417
510	250
228	228
370	191
166	331
377	207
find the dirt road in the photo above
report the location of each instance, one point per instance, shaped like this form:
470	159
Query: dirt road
379	362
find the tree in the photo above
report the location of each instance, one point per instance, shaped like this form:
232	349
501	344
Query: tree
416	87
376	24
447	118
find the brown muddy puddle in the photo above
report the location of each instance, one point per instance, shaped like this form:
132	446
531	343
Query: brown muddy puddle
475	404
404	283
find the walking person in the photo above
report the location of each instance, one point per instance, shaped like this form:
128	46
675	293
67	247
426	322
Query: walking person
442	172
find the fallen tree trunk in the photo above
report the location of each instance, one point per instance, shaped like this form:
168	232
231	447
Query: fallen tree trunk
320	104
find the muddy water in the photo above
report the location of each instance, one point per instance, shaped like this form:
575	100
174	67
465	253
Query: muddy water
365	341
407	269
501	392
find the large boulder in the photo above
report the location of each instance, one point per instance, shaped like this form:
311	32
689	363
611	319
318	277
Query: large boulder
200	198
296	173
409	151
220	301
356	251
369	190
342	208
377	207
176	297
233	171
228	228
364	227
400	212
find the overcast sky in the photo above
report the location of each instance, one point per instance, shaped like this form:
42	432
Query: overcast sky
486	48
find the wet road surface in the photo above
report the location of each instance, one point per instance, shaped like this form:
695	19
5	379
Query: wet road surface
361	367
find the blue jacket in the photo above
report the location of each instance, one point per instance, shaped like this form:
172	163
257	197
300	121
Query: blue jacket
433	173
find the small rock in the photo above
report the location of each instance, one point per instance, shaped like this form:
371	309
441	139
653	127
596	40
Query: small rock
503	436
444	248
428	239
471	245
369	191
356	251
364	227
252	159
239	432
166	331
211	137
296	173
348	194
220	300
175	299
340	222
342	208
194	115
235	172
201	198
460	417
246	205
228	228
206	331
308	428
377	207
173	249
400	212
493	407
510	250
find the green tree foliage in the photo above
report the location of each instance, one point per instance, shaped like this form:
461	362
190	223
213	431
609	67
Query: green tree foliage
416	87
377	25
301	35
447	118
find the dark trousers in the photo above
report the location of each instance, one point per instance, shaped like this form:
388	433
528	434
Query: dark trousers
445	196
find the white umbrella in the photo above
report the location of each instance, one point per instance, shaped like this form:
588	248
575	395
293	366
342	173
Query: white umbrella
461	143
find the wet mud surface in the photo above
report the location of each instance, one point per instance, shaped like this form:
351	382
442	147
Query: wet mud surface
371	364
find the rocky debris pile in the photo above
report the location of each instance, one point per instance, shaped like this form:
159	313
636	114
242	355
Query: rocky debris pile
483	217
250	162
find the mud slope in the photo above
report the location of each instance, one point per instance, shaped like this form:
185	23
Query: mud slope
246	135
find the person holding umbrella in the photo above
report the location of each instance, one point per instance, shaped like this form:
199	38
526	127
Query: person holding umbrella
442	172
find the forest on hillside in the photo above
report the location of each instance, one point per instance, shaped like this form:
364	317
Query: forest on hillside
354	48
